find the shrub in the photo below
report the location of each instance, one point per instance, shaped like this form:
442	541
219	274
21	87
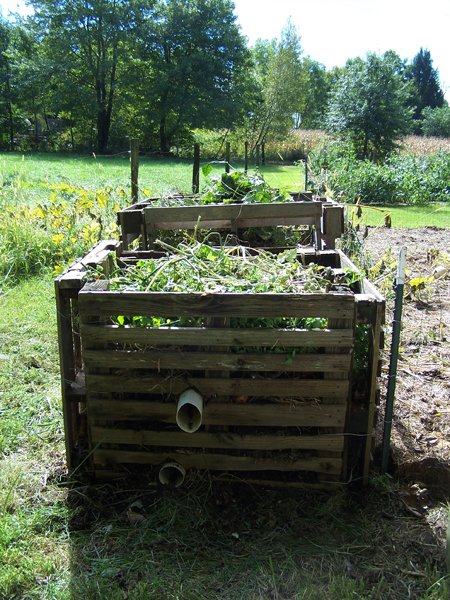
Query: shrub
33	238
402	178
436	121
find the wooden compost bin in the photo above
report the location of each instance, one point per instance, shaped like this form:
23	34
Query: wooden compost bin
140	222
280	405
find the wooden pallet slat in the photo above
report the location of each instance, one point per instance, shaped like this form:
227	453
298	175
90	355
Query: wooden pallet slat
215	413
261	387
199	361
218	440
192	336
219	462
331	305
193	215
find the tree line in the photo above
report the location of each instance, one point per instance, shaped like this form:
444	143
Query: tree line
89	74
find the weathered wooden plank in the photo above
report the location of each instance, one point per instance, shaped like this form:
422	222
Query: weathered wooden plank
374	356
97	256
265	415
193	336
333	224
231	212
67	369
347	376
199	361
331	305
221	440
237	224
260	387
219	462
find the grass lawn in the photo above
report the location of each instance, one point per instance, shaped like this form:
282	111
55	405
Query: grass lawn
433	215
203	541
156	175
26	178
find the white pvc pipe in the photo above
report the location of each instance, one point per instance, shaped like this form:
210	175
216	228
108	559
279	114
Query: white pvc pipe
189	411
172	474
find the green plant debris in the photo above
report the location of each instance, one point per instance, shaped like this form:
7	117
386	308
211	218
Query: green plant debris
227	188
198	267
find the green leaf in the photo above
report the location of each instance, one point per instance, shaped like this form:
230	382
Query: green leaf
206	169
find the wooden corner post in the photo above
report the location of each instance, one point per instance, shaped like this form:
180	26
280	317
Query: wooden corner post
134	159
196	170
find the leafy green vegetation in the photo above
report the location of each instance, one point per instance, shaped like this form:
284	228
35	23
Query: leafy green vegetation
52	220
369	105
240	187
436	121
198	267
401	179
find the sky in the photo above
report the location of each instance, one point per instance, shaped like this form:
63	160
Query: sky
332	31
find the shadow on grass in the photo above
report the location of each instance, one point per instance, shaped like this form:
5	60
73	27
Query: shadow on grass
211	541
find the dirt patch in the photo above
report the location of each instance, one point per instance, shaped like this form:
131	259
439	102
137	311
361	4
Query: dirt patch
421	426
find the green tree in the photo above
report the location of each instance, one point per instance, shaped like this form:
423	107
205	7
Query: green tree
193	66
282	80
87	44
317	84
436	121
369	105
6	92
426	86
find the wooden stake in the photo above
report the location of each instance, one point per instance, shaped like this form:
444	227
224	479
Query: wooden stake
196	170
134	147
227	157
306	173
246	157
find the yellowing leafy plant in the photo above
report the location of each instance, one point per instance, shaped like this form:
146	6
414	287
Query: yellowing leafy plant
69	222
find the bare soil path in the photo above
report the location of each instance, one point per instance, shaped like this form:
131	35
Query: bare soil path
421	427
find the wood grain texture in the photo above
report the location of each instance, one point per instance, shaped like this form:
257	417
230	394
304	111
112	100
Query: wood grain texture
220	440
262	386
219	462
264	415
199	361
195	336
273	212
331	305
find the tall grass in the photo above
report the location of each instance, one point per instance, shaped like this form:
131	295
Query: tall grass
420	145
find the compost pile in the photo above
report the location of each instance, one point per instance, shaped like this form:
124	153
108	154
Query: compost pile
236	187
197	267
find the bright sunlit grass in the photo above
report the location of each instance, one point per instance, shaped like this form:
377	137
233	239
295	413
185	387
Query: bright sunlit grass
30	171
433	215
